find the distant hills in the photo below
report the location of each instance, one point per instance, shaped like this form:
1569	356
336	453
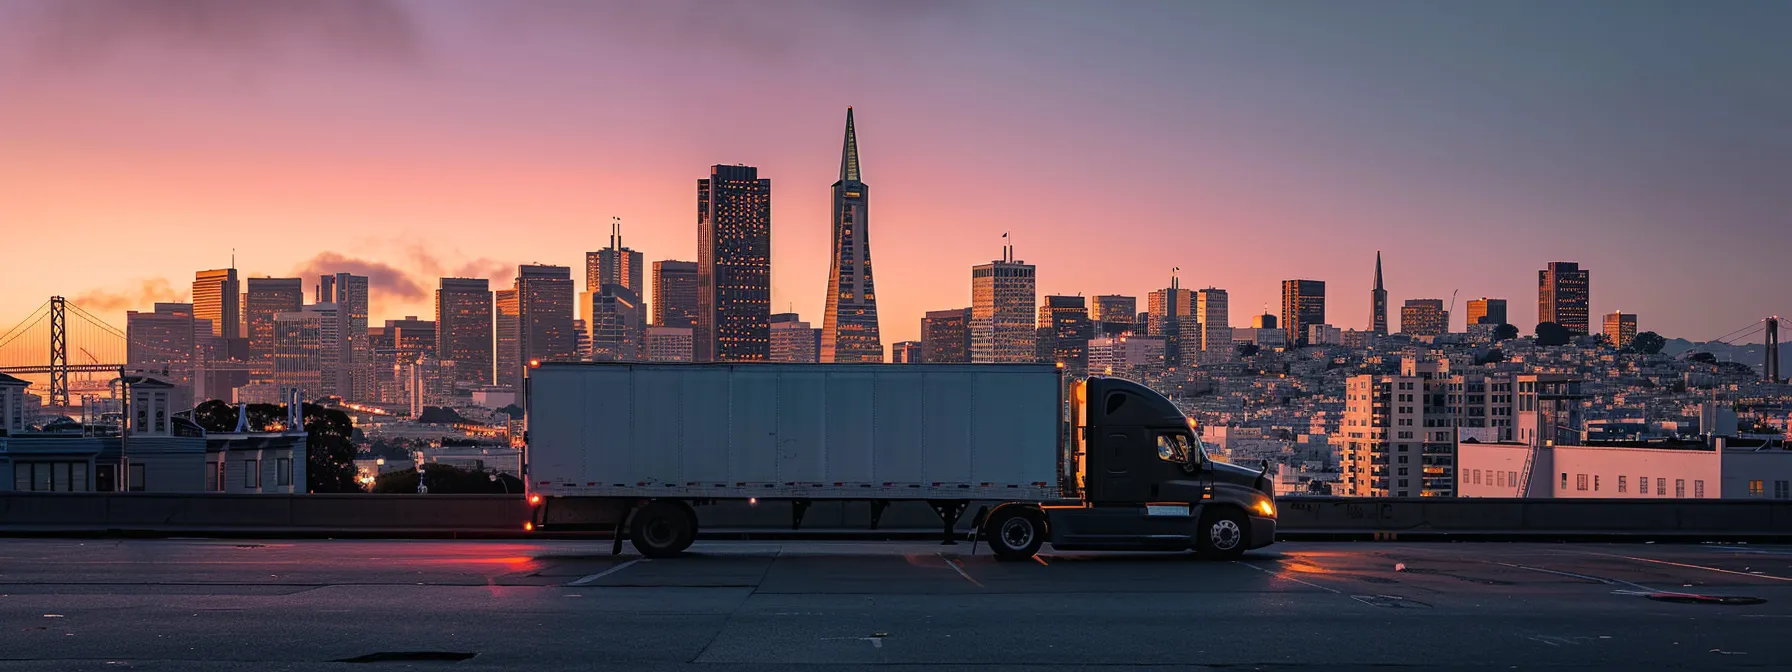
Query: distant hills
1752	354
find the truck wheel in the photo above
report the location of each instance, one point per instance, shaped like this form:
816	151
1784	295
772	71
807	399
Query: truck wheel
1015	532
1221	535
662	529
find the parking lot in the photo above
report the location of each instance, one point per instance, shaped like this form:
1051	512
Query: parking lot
216	604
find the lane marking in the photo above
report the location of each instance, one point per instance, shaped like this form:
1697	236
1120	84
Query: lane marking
1289	578
960	570
1690	566
1588	577
586	580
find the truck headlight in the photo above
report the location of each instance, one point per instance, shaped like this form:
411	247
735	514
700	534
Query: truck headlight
1266	507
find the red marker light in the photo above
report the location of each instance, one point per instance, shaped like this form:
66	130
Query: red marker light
534	500
528	527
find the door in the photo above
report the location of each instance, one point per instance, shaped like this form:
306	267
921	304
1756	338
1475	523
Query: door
1119	469
104	476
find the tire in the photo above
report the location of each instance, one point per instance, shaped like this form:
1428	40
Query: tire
662	529
1015	532
1222	534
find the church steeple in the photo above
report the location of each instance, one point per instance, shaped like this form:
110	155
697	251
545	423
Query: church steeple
849	154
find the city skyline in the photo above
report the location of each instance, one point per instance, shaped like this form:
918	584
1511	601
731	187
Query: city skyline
295	199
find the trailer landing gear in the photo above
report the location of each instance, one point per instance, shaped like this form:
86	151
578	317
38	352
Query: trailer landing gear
949	510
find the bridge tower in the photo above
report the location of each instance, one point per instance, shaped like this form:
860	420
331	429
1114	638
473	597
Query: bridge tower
1772	365
58	353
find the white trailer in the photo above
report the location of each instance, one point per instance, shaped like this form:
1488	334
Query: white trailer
637	447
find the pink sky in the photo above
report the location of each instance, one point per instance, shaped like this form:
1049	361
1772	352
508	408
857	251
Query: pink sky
457	138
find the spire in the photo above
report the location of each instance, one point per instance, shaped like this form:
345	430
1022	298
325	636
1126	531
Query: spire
1378	269
849	154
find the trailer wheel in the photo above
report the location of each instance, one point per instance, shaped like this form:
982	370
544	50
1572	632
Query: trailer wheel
662	529
1015	532
1221	535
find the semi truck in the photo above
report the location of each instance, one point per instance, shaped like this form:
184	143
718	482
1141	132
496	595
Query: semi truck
1100	463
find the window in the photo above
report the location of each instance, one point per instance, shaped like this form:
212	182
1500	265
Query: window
1595	482
1403	459
1782	489
1679	488
283	471
1580	481
251	473
1755	489
1402	471
211	475
1698	489
1564	480
137	478
21	477
78	477
1621	485
1661	487
1501	477
1512	478
1474	476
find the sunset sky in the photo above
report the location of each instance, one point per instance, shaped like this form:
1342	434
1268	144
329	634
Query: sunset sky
1245	142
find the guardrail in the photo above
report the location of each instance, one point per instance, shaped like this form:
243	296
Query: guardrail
503	516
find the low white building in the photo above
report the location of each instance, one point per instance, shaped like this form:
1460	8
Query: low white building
1622	471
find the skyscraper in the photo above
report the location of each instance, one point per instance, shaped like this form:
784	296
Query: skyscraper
306	351
614	265
1424	317
544	331
1303	305
1620	328
1487	311
1064	325
1562	296
216	298
354	368
165	342
1002	297
1172	318
734	271
1112	314
1213	311
905	352
793	340
849	322
464	328
674	293
507	370
618	324
266	298
1378	300
946	336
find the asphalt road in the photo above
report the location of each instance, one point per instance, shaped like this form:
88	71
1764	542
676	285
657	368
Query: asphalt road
230	605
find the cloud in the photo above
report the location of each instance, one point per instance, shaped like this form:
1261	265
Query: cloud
384	280
141	297
434	266
88	30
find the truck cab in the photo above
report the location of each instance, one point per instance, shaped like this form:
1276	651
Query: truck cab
1142	481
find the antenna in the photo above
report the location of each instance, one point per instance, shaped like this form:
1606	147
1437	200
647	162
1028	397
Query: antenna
615	233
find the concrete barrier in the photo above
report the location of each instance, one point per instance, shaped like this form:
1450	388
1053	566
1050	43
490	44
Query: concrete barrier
503	515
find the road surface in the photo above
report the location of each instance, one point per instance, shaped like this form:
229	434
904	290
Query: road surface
564	605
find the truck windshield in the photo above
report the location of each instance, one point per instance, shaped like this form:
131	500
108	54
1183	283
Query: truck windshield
1173	447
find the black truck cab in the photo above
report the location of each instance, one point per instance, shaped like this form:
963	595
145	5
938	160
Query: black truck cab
1141	481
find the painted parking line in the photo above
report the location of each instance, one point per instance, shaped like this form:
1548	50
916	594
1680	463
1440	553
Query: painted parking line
954	565
1280	575
587	580
1692	566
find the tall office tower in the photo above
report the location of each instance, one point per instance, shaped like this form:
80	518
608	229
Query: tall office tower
668	344
581	333
349	293
1378	301
946	336
1264	321
905	352
165	342
674	300
1424	317
734	265
266	298
793	340
1487	311
1303	305
464	328
1172	311
1399	432
398	343
1620	328
1064	328
1002	296
544	333
507	370
1562	296
1113	314
216	298
849	322
1213	311
618	324
614	265
308	351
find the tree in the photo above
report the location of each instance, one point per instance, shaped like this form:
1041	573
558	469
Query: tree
329	450
514	411
1648	343
445	479
1703	358
1493	356
1505	332
220	417
1550	334
1248	349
